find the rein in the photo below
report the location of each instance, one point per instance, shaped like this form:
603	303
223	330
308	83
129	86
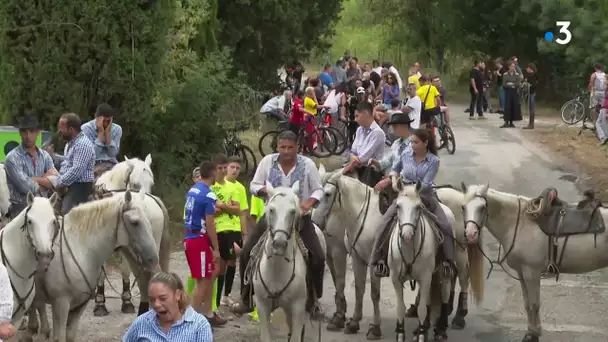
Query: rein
408	266
499	261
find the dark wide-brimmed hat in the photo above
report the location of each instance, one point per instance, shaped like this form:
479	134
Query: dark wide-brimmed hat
105	110
28	122
400	119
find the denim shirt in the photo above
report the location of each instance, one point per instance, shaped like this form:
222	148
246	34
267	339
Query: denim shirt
412	171
21	168
103	151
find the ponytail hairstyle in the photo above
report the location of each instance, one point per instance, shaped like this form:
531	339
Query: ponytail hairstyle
173	281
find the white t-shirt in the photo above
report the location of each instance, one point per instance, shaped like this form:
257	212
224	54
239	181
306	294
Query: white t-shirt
416	104
277	102
378	70
333	101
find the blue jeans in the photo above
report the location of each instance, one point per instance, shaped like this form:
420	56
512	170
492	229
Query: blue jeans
501	97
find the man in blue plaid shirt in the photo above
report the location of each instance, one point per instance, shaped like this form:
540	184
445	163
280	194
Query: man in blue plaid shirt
77	163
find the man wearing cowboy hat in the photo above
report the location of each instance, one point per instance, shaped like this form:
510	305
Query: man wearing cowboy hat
105	136
28	168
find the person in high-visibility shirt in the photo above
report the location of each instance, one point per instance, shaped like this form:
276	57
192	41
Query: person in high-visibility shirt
256	210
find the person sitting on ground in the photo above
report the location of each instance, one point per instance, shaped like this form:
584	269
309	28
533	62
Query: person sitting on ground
419	163
413	106
171	315
77	164
278	107
200	241
368	144
442	99
429	95
28	168
105	136
283	169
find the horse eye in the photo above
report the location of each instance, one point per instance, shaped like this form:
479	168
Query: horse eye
327	194
29	221
135	222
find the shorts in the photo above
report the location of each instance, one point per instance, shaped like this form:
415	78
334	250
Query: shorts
596	99
199	255
226	241
427	115
443	108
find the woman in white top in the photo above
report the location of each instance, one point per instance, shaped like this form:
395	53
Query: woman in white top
7	329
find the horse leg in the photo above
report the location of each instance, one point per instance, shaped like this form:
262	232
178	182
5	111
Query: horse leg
127	306
398	286
60	307
32	325
73	321
360	272
424	309
264	311
336	260
530	280
374	332
462	310
45	328
295	315
412	312
441	326
100	295
143	278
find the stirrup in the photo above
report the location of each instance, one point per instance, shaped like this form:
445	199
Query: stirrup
381	270
447	268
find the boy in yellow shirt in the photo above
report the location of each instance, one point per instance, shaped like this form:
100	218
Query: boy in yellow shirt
237	232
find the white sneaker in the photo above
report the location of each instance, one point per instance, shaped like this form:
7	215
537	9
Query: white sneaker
226	301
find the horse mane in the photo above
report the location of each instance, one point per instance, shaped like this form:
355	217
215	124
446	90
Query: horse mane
509	197
115	176
353	184
92	216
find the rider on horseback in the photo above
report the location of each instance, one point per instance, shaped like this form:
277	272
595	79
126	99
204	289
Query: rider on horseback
418	163
284	169
368	144
105	136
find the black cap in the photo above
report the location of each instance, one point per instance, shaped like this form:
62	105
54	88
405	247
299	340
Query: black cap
28	122
400	119
105	110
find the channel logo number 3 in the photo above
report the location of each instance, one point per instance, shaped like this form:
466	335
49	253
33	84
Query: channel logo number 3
564	32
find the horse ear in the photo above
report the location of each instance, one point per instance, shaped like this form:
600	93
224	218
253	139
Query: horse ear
321	170
418	187
296	187
128	196
53	199
463	187
484	189
148	159
126	158
269	189
142	194
30	198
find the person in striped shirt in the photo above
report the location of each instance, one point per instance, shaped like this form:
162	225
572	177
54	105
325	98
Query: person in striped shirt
171	318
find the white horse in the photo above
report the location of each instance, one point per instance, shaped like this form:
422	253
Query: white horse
526	246
26	246
412	256
279	279
130	174
90	232
345	205
4	193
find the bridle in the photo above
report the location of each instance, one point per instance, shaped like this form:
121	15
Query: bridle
27	229
414	224
295	224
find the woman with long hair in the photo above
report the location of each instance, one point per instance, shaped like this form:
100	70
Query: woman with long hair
389	91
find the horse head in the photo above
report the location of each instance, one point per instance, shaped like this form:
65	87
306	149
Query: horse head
330	196
409	211
475	210
135	230
140	175
282	215
41	227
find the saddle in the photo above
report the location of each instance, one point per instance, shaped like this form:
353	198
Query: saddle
558	218
387	197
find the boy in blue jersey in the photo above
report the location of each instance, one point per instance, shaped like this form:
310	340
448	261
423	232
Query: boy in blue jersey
200	241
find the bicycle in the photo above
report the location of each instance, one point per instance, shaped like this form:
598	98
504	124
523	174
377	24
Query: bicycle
573	111
234	146
445	132
321	142
324	121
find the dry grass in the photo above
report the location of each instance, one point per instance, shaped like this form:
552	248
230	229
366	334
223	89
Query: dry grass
579	150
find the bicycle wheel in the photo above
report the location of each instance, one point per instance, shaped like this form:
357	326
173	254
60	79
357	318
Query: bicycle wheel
268	143
248	159
341	143
573	112
448	139
325	143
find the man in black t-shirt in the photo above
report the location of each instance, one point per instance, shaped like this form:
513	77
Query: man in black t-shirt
476	91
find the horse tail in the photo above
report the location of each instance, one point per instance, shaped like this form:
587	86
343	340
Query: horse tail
164	253
476	271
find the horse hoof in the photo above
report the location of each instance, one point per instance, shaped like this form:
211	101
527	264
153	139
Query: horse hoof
412	312
352	327
530	338
336	323
127	308
46	333
441	336
400	337
374	332
458	322
100	311
27	339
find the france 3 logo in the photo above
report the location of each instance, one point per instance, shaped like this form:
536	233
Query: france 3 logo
563	36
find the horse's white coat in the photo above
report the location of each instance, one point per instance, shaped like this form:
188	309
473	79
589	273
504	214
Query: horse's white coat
4	192
529	254
92	231
20	262
282	268
412	255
